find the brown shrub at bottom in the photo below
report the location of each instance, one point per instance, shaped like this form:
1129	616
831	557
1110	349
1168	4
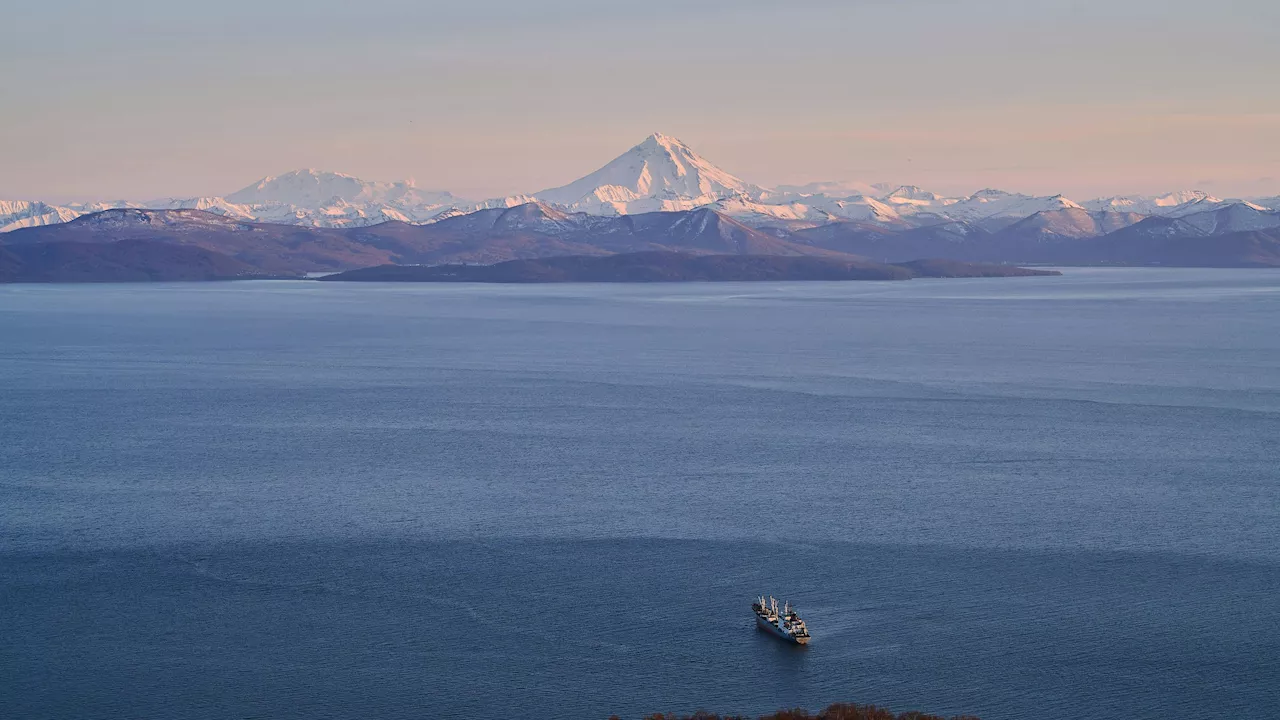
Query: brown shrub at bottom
838	711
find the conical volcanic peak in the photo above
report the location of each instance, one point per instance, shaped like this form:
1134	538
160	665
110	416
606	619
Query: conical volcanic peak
659	173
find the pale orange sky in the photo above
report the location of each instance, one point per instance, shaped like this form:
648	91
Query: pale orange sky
139	99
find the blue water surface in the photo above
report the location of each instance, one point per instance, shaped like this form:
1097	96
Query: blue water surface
1041	498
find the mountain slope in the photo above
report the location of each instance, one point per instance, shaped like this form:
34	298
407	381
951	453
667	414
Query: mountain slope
829	189
1233	217
705	230
16	214
525	231
1068	223
121	261
315	188
1270	203
659	174
536	229
1241	238
274	249
1152	205
951	240
1170	245
998	203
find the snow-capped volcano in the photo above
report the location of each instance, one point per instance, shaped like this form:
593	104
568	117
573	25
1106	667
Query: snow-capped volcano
659	174
316	188
329	199
307	188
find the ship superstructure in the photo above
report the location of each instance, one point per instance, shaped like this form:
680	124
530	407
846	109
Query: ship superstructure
783	623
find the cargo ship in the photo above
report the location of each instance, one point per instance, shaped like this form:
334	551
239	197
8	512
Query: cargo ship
785	624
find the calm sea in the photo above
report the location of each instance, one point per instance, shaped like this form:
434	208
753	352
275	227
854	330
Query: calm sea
1041	498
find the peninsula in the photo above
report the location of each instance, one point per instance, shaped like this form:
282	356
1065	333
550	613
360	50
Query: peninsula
679	267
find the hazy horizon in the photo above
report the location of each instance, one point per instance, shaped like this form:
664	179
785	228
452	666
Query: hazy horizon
145	100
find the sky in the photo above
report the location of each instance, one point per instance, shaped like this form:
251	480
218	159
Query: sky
138	99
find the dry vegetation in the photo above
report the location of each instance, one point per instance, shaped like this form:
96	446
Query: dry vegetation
839	711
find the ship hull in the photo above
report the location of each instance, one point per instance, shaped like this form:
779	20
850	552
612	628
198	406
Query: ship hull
775	631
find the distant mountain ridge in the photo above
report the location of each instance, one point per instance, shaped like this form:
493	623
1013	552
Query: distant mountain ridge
1237	235
660	174
139	244
531	230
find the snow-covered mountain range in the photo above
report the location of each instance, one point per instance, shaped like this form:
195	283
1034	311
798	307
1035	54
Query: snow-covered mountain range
659	174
